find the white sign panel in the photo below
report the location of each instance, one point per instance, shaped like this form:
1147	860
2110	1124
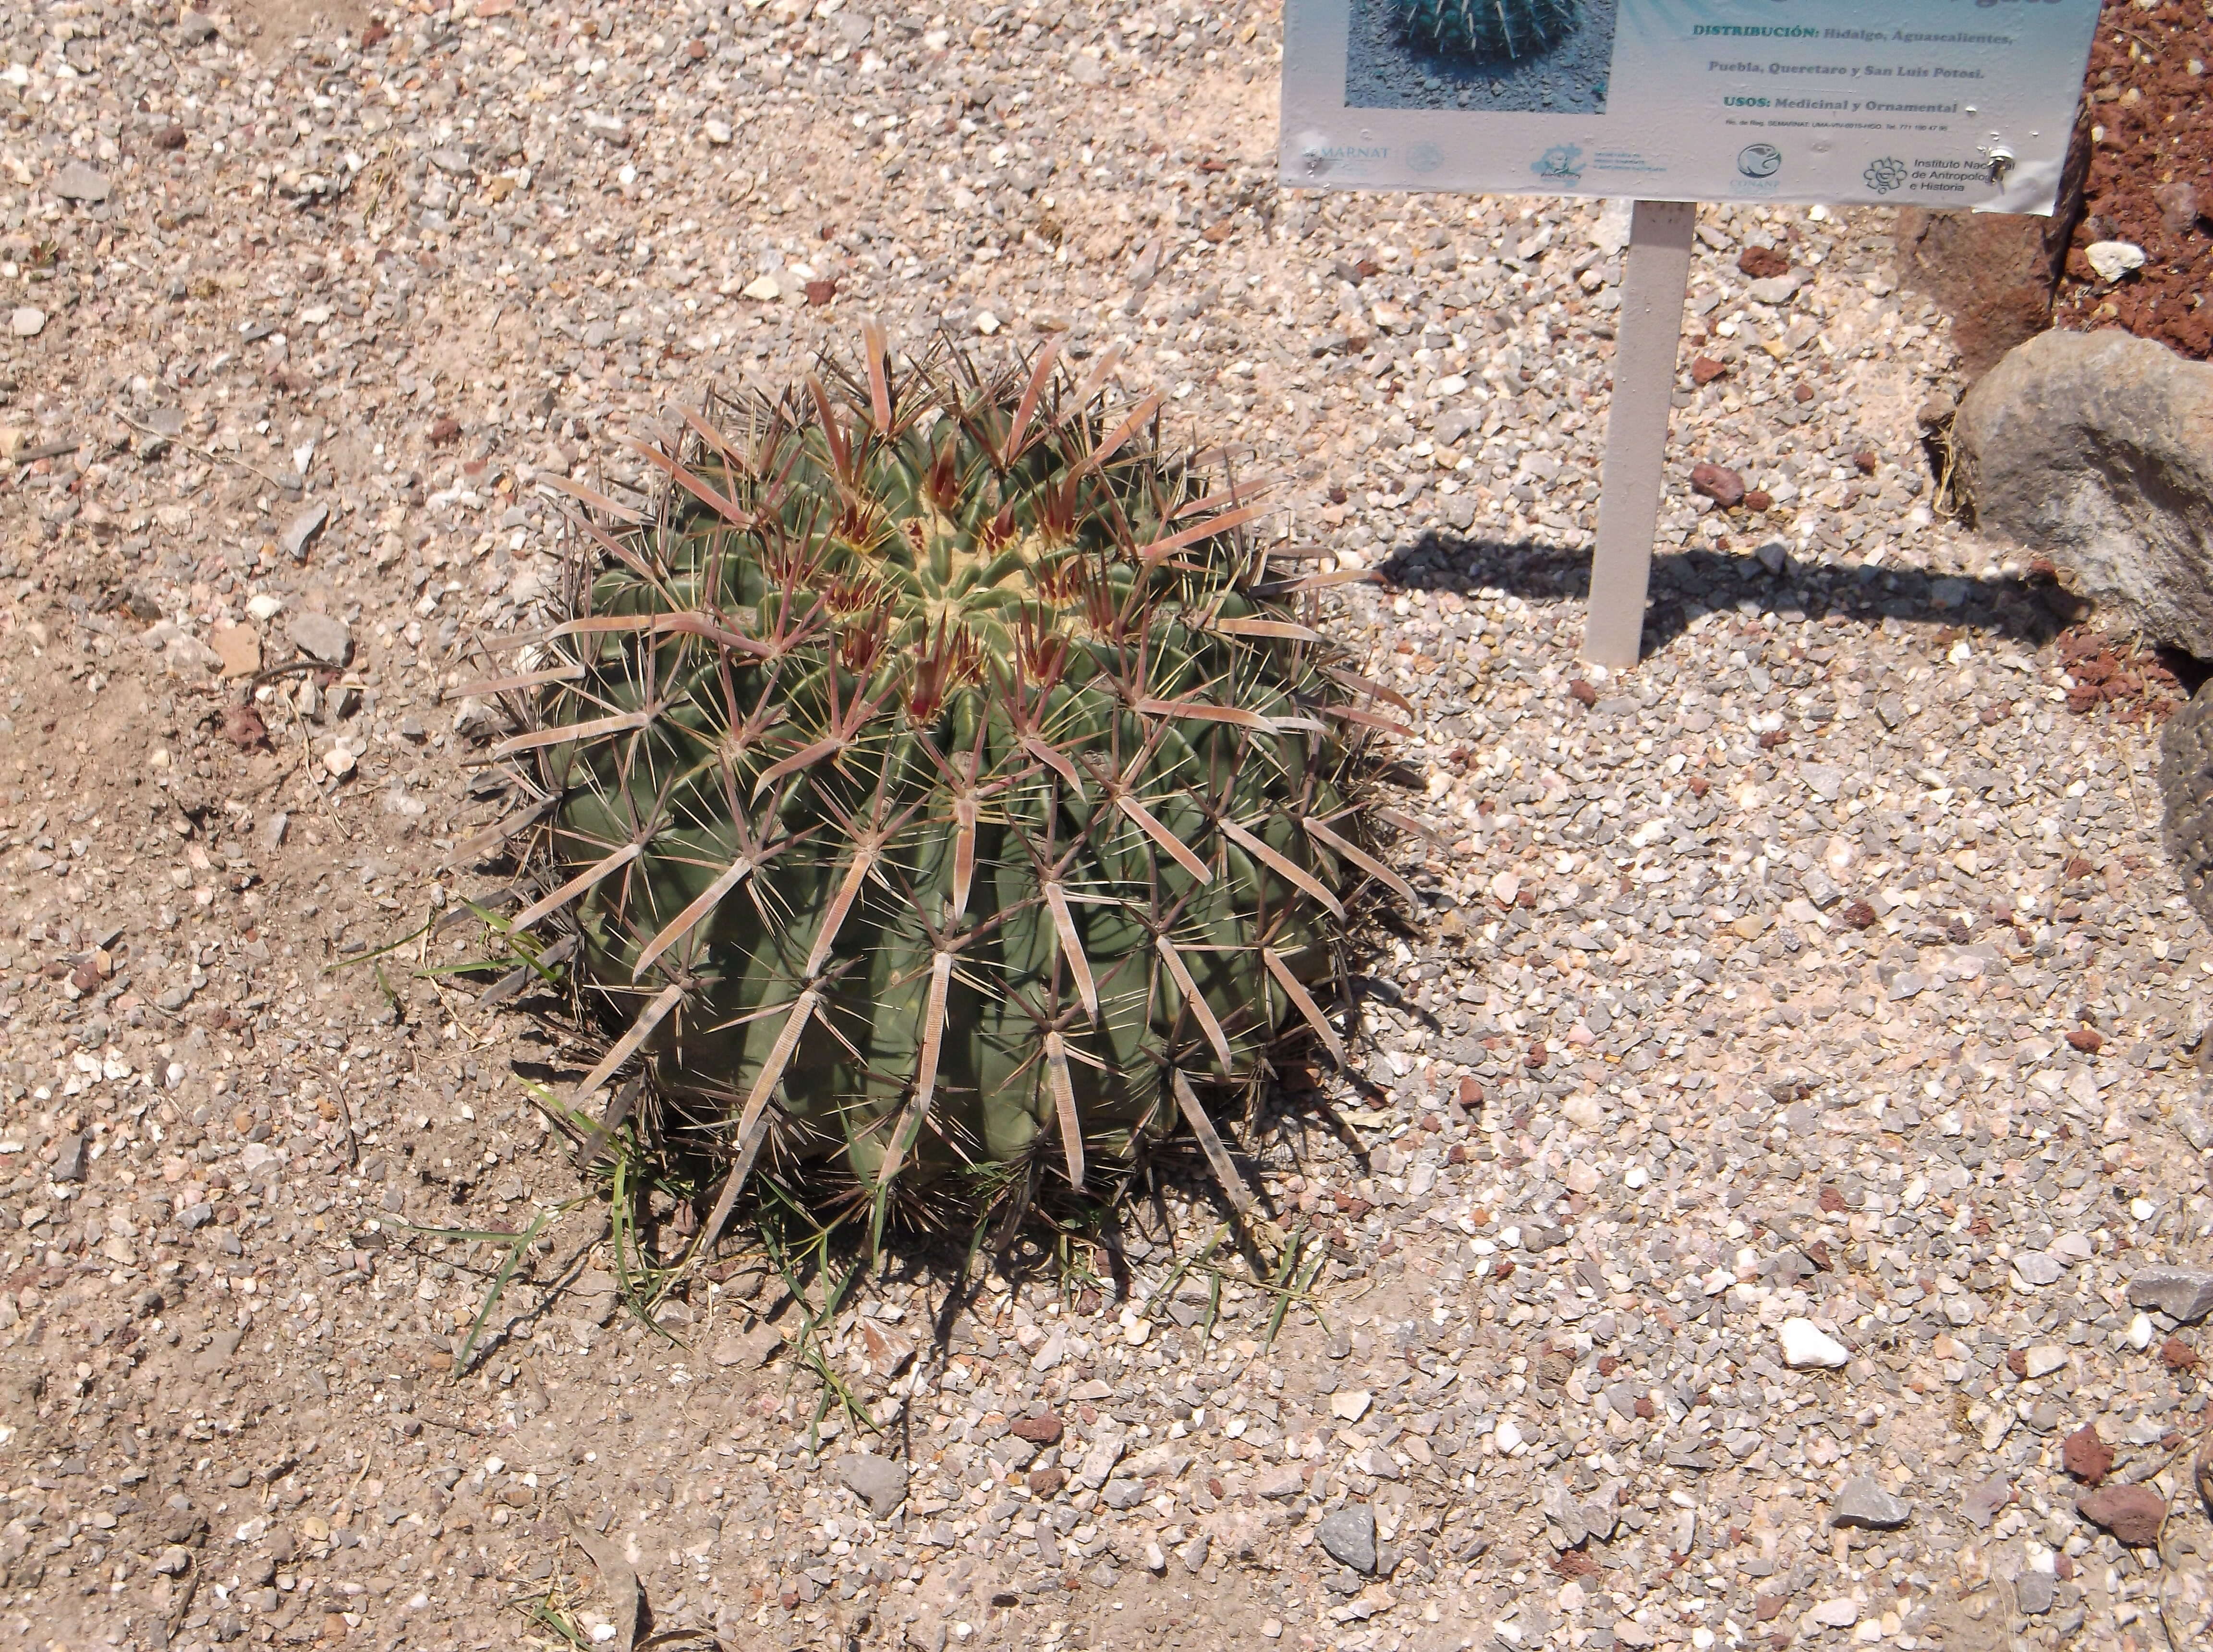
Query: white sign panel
1957	103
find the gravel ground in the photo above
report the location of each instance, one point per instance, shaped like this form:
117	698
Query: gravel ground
1768	1139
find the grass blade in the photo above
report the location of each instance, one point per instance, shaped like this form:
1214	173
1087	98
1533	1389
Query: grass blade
519	1245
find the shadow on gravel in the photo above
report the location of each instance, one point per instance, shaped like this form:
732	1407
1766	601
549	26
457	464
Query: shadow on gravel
1686	584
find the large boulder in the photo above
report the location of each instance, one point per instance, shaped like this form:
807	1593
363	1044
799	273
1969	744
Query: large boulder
2095	450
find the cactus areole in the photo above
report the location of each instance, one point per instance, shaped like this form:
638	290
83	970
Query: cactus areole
941	776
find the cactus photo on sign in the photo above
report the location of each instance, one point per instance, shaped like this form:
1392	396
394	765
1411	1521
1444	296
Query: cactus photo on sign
1488	31
1543	55
943	789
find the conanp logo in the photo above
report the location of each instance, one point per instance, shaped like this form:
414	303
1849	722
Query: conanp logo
1760	160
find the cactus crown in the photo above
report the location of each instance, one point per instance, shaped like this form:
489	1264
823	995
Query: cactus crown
1488	30
939	776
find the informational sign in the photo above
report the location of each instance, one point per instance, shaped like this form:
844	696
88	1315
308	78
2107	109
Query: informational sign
1948	103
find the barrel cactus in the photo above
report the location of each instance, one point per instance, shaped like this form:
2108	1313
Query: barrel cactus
1488	31
941	777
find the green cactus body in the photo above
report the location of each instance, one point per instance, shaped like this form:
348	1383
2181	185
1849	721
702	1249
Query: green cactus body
1488	30
936	779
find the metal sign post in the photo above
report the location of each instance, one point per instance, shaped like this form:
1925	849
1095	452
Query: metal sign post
1653	285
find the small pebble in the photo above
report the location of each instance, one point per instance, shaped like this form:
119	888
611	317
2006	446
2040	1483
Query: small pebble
1863	1502
1805	1343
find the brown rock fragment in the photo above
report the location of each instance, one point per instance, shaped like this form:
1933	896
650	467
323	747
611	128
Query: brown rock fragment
242	726
1045	1431
2177	205
1725	487
1762	263
2133	1514
2086	1456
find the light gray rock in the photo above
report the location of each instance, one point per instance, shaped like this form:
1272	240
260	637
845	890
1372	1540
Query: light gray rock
161	426
747	1350
1863	1502
1983	1502
598	1295
2196	1124
1348	1535
79	182
2096	450
2185	1294
1561	1510
303	531
877	1481
1104	1451
321	638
